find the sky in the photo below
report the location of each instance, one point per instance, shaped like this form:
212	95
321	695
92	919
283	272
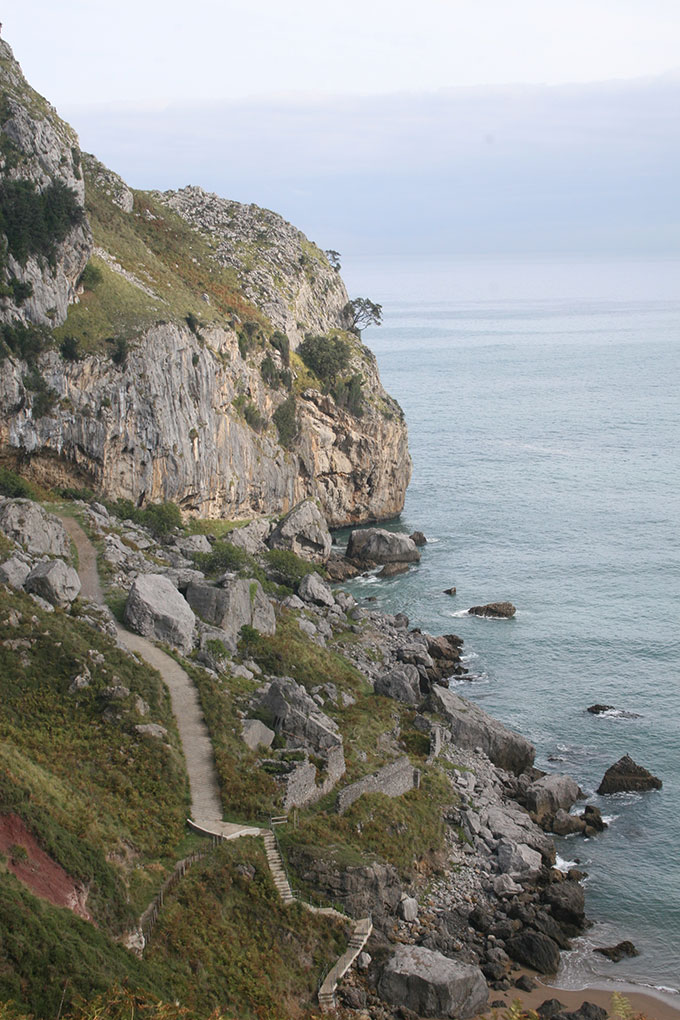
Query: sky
379	125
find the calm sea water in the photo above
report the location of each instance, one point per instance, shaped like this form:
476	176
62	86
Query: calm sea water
543	404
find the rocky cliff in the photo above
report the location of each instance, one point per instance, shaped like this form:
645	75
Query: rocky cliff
148	350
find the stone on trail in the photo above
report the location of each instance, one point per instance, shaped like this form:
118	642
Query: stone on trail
156	610
432	985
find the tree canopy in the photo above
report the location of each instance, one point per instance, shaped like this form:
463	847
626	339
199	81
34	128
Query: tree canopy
362	313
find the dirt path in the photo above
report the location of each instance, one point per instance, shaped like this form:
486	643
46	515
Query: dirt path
206	808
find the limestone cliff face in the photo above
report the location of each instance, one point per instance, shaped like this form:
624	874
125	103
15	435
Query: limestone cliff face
41	151
280	270
182	409
165	427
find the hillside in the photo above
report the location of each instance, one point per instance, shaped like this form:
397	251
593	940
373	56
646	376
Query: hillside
151	343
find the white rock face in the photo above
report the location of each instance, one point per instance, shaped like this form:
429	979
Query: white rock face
27	523
156	610
54	581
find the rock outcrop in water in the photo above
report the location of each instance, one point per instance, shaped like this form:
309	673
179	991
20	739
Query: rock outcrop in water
149	344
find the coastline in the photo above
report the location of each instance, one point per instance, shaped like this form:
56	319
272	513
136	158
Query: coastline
652	1003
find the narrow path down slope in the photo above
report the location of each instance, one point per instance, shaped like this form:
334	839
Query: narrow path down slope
206	808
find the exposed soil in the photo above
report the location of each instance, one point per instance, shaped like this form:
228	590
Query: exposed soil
36	869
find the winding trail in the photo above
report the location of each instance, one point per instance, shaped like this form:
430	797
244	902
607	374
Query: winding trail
206	808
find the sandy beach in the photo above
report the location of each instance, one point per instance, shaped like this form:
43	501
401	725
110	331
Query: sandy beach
655	1005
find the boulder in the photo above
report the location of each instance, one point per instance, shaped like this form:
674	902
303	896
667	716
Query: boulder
472	727
297	716
450	591
432	985
14	572
550	1008
550	793
313	588
586	1011
237	602
519	861
54	581
152	729
627	775
535	950
253	537
618	952
500	610
593	820
393	569
600	709
564	824
256	734
376	545
511	822
40	533
402	683
304	531
157	610
567	903
418	538
408	908
191	544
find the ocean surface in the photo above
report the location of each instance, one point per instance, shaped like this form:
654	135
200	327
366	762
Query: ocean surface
543	404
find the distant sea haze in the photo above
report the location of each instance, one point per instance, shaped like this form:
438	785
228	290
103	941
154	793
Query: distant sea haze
544	419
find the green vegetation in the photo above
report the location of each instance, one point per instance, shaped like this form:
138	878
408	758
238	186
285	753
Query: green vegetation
24	342
362	313
229	942
72	765
45	397
13	485
160	518
248	794
326	356
34	222
286	422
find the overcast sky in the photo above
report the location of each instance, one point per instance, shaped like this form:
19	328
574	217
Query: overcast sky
371	123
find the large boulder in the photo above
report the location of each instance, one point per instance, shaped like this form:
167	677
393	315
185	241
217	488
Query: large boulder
304	531
252	538
511	822
237	602
402	683
547	795
375	545
431	984
14	572
534	949
472	727
567	904
156	609
519	861
295	715
627	775
314	589
40	533
54	581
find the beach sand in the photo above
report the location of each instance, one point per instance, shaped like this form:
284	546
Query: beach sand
656	1006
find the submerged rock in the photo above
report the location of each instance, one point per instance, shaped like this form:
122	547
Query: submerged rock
627	776
616	953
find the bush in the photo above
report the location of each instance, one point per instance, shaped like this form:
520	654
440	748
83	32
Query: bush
159	518
35	222
348	393
222	557
25	342
120	350
281	343
70	348
253	416
73	492
15	486
327	357
193	323
45	397
288	569
286	422
90	276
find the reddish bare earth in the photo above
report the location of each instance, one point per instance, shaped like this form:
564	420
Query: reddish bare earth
36	869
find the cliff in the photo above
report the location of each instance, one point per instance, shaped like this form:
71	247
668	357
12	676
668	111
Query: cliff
149	343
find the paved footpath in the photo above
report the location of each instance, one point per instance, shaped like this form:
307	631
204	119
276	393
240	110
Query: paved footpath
206	808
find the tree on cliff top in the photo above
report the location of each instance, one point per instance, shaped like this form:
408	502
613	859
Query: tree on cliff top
363	313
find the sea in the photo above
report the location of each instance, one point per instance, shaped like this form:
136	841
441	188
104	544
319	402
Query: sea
542	397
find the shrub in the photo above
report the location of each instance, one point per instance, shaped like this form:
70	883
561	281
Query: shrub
281	343
288	569
73	492
45	397
286	422
70	348
35	222
193	323
253	416
26	342
90	276
120	350
15	486
326	356
160	518
348	393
